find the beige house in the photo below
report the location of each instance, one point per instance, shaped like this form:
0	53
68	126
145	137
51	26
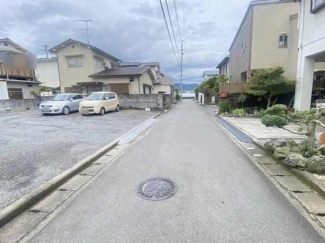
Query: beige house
77	61
267	37
17	75
125	80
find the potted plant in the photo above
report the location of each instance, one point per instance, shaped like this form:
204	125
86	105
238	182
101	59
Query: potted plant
224	95
317	90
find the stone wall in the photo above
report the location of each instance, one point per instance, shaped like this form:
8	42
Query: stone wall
135	101
21	105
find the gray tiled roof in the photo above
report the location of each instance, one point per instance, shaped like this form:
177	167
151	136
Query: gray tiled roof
94	48
125	71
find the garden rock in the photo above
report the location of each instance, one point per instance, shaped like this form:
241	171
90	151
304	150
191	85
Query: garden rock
316	164
273	144
296	161
281	152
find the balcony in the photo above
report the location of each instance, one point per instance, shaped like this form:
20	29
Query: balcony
232	88
18	74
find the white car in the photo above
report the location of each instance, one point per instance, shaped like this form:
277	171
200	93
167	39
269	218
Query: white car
99	103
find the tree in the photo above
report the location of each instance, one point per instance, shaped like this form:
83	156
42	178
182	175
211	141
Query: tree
269	84
177	95
219	80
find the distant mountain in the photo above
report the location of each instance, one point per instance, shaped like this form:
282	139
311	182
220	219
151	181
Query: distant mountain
186	87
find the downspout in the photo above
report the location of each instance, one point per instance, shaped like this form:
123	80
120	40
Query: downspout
139	84
57	61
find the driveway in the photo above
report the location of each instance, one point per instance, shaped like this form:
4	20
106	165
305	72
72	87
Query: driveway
35	148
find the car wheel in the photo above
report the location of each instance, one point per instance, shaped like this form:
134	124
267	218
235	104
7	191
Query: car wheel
117	108
66	110
102	111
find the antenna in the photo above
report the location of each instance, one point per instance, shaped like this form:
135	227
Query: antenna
87	27
46	51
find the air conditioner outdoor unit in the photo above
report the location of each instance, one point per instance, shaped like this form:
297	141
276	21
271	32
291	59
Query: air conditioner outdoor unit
106	64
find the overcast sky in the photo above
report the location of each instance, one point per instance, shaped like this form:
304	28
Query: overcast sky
131	30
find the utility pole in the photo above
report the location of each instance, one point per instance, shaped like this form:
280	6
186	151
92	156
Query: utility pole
182	53
87	27
46	51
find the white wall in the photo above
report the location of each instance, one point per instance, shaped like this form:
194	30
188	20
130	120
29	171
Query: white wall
311	43
25	88
161	88
47	72
3	90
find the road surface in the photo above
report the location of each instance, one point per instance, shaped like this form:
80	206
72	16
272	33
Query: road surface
221	196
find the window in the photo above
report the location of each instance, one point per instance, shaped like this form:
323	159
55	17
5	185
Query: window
75	62
317	5
78	97
243	77
111	96
99	63
283	41
243	48
15	93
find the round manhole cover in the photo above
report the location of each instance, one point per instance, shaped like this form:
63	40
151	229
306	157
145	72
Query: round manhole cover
157	189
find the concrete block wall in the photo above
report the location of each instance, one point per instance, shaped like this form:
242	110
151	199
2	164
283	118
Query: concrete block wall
135	101
21	105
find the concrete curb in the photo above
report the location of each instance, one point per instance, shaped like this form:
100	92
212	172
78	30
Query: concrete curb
16	208
305	177
13	210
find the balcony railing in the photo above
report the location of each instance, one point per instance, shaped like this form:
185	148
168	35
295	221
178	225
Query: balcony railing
16	73
232	88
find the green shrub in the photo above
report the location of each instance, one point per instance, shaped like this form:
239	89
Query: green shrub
240	112
224	107
274	121
261	113
279	110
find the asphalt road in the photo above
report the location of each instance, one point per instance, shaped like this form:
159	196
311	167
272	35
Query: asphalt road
35	148
221	197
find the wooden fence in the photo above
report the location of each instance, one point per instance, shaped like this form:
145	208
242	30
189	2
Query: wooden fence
232	88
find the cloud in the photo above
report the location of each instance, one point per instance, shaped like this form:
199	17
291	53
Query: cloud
132	30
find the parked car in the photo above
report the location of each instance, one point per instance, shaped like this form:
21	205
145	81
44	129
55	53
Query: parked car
61	104
99	103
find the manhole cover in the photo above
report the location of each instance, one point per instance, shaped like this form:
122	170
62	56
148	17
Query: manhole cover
157	189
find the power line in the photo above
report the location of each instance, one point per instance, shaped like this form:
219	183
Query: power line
170	38
179	28
203	49
171	24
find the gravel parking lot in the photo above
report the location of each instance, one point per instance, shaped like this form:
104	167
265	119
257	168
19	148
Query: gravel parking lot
35	148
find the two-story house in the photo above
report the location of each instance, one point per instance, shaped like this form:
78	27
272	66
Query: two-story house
77	61
210	74
311	51
223	66
267	37
17	75
85	68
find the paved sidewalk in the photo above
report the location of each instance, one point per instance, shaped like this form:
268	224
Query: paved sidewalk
259	132
221	196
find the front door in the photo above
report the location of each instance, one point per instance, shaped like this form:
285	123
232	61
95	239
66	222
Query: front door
146	89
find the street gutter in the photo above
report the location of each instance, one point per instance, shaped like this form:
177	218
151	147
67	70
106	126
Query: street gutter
10	212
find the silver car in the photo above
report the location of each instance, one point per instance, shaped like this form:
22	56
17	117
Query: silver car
61	104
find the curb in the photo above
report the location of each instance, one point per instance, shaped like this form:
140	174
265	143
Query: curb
10	212
13	210
303	176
